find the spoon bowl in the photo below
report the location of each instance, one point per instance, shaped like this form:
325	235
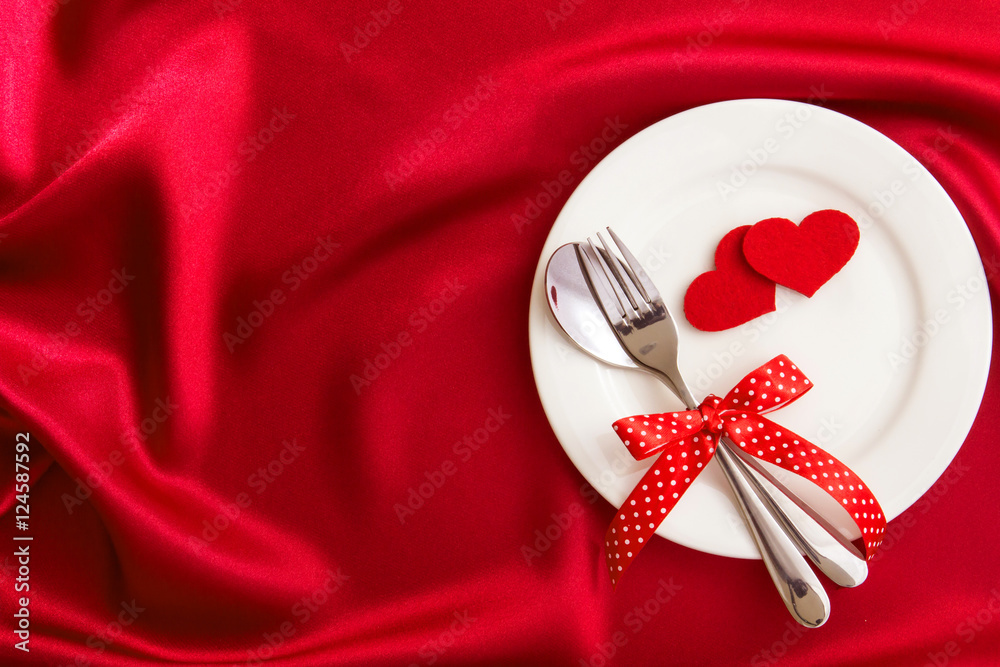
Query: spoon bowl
576	312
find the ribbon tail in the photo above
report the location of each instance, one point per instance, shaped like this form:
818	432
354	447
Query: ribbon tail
652	499
775	444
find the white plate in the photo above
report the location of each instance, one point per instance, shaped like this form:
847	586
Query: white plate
897	344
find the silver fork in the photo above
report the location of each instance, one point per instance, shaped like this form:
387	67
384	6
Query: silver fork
644	327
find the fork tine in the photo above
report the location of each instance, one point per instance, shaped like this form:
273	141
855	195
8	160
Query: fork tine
627	265
613	284
636	271
629	288
610	304
630	285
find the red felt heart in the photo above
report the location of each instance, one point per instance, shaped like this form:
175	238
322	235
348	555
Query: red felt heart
732	294
802	257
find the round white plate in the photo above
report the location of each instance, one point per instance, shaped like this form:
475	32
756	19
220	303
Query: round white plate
897	344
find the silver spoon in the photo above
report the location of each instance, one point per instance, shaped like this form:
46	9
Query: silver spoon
573	307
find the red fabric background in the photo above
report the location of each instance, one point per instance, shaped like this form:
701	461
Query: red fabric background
120	120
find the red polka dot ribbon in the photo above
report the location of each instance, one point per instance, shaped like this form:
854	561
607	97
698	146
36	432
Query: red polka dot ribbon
685	442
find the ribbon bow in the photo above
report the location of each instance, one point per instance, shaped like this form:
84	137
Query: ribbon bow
686	441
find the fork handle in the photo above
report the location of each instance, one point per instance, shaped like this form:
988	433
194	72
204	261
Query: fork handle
797	584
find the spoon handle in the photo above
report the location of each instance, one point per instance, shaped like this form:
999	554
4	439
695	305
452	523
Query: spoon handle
797	584
780	542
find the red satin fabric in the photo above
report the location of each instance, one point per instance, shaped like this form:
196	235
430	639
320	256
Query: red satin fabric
258	275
